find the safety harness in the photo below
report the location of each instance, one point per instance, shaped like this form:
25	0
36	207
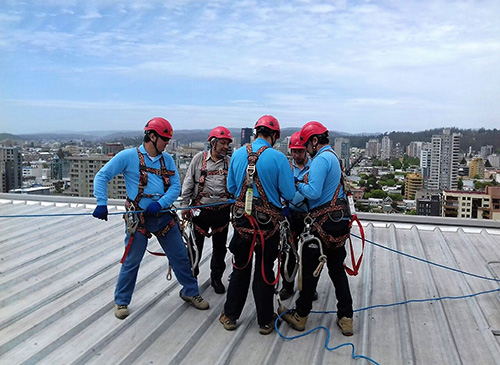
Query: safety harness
136	221
335	212
201	194
257	212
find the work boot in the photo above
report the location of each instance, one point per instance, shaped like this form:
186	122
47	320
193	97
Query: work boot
197	301
219	288
345	325
291	317
228	323
121	311
268	328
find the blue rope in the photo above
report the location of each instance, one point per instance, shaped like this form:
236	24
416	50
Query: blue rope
230	201
427	261
328	336
389	305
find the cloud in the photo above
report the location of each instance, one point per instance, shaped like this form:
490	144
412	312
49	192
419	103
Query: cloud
357	59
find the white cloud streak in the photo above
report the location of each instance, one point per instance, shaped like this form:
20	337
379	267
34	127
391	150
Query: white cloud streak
391	60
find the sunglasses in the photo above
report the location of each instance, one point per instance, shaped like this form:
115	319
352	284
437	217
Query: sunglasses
164	139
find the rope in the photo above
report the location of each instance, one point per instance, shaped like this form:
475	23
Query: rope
429	262
353	355
229	201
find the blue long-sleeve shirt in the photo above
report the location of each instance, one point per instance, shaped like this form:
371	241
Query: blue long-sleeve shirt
298	204
324	177
126	162
273	169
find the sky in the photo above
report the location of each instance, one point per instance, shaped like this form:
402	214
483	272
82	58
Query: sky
355	66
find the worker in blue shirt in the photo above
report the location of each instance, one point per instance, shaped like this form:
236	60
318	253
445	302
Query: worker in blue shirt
298	209
328	210
259	177
152	184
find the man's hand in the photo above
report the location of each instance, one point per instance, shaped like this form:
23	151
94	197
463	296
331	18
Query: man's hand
153	209
101	212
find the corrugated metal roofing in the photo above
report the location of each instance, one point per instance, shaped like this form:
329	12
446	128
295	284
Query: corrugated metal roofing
57	277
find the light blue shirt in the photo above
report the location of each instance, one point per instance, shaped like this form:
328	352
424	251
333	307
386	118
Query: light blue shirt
324	177
273	169
126	162
298	204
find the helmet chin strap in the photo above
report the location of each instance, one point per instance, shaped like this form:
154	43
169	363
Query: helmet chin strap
158	152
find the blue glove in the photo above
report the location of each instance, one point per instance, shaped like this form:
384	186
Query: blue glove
101	212
152	209
286	211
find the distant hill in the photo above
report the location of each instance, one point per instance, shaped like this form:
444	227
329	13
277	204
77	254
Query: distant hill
474	138
4	136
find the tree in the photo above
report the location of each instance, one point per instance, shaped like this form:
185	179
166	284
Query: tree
397	164
377	193
396	197
460	184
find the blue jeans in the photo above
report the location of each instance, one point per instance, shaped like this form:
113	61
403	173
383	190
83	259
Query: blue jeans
175	250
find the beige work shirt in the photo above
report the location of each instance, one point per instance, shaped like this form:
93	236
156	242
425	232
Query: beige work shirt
215	185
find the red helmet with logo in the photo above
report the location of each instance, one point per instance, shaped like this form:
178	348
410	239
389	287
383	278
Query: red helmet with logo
295	143
220	132
270	122
160	126
310	129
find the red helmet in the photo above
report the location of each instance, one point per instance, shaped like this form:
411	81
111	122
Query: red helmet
270	122
160	126
310	129
220	132
295	143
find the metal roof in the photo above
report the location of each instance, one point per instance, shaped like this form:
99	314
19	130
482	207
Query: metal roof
58	272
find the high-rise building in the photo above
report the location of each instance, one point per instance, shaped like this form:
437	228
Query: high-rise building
82	173
476	167
342	148
11	171
246	135
415	148
413	182
386	148
425	166
373	148
486	151
444	161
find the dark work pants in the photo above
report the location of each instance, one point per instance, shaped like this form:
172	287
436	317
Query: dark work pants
214	219
336	271
239	283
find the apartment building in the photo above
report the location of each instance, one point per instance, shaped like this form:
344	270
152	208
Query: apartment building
413	182
11	171
82	172
444	161
476	167
461	204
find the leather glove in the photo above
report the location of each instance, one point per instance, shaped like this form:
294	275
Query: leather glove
101	212
153	209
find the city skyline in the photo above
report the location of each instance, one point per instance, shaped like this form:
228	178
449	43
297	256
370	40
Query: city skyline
357	67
